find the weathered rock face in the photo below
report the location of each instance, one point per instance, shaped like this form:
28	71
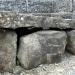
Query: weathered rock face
7	19
41	47
7	73
8	49
14	20
71	41
55	22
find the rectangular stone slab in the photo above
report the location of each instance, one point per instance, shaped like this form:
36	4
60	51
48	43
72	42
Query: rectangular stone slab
8	49
15	20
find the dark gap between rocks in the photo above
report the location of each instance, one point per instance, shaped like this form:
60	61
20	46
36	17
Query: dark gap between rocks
23	31
61	29
7	29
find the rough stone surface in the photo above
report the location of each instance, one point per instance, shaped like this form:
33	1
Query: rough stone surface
7	73
71	41
41	47
37	6
55	22
65	15
7	19
8	49
15	20
65	67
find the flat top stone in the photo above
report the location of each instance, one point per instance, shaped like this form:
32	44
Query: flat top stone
15	20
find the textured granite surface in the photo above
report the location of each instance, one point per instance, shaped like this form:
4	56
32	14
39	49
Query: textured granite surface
37	6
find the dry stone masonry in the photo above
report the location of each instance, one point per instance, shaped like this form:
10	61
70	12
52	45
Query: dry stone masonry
35	36
28	48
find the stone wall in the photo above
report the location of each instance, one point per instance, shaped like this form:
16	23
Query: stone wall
29	40
35	32
38	6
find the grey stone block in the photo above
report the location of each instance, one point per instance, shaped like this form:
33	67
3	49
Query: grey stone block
41	47
8	48
71	41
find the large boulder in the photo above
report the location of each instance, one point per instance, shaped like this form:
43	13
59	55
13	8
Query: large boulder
8	50
71	41
41	47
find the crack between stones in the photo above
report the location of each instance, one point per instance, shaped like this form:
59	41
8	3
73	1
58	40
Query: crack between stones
23	31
